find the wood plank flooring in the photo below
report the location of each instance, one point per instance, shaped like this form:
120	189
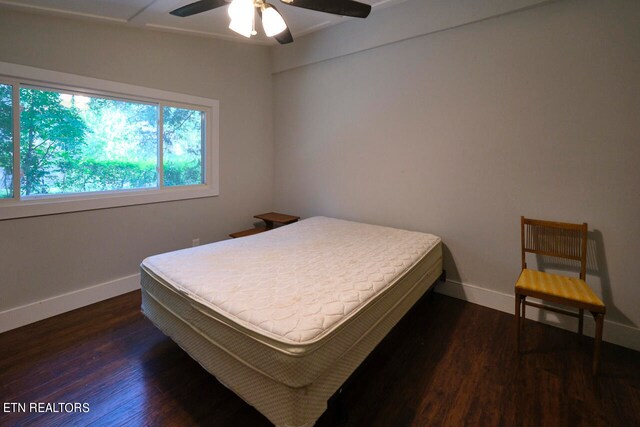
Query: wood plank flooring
446	363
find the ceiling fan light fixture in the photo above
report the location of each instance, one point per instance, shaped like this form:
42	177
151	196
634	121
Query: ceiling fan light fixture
241	13
241	10
272	21
243	27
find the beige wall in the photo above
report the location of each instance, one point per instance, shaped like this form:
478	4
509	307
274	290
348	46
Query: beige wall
47	256
386	25
457	132
460	132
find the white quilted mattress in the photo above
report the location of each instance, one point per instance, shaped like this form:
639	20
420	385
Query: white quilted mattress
294	285
284	317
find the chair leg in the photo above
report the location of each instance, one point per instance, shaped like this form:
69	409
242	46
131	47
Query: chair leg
524	309
580	321
599	318
517	313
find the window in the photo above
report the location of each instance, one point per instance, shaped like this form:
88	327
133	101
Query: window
91	147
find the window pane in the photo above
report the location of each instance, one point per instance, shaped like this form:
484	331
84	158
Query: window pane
183	146
76	144
6	141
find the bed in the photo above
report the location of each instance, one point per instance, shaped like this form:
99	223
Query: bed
284	317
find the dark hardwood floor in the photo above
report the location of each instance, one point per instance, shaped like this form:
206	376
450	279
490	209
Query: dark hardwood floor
446	363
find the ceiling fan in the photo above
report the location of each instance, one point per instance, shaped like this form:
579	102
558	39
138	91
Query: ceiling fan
242	14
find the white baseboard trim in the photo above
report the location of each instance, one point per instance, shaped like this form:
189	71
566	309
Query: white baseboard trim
616	333
26	314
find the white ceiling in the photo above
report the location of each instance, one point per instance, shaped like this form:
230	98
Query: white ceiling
154	14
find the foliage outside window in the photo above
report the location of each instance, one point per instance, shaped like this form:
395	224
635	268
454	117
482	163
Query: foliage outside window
6	142
73	143
182	146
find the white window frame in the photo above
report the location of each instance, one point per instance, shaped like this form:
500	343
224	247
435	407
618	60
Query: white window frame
17	207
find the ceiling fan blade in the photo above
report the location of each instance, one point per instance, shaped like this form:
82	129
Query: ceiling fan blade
198	7
337	7
284	37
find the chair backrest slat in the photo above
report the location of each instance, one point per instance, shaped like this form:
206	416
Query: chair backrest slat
555	239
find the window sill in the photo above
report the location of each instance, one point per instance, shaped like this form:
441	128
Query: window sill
52	205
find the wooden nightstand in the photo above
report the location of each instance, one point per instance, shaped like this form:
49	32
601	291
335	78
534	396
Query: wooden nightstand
271	219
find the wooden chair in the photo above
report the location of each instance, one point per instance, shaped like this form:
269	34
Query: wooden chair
562	240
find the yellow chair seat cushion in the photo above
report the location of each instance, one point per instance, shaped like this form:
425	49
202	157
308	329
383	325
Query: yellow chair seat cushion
568	288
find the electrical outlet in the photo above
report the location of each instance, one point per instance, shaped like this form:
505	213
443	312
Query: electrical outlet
195	242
